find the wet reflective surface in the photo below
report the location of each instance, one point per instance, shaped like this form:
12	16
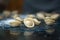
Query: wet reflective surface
34	36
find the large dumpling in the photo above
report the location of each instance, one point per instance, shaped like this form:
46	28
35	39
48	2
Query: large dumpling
29	23
15	23
30	16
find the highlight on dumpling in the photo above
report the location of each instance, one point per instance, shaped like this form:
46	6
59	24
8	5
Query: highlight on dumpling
15	23
49	21
55	16
6	13
40	15
36	22
29	23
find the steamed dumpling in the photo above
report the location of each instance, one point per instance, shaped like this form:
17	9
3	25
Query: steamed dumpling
19	19
29	23
55	16
40	15
15	23
31	16
49	21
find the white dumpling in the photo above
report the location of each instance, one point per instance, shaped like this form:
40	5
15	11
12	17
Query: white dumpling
30	16
19	19
55	16
48	14
14	12
29	23
15	23
49	21
40	15
36	21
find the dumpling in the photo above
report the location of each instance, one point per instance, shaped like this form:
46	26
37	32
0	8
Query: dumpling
14	12
40	15
36	22
30	16
15	15
14	33
19	19
29	23
48	14
6	13
55	16
49	21
15	23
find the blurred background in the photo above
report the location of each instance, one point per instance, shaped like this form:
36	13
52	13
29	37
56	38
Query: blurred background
11	5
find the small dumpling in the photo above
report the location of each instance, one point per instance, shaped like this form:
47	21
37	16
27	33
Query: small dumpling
30	16
15	15
15	23
14	12
40	15
49	21
29	23
19	19
55	16
48	14
36	21
6	13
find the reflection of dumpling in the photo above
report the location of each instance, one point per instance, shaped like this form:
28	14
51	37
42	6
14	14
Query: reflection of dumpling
6	13
15	23
29	23
40	16
50	31
55	16
31	16
36	21
14	33
49	21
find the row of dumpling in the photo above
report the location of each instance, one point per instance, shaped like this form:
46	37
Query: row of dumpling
31	20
